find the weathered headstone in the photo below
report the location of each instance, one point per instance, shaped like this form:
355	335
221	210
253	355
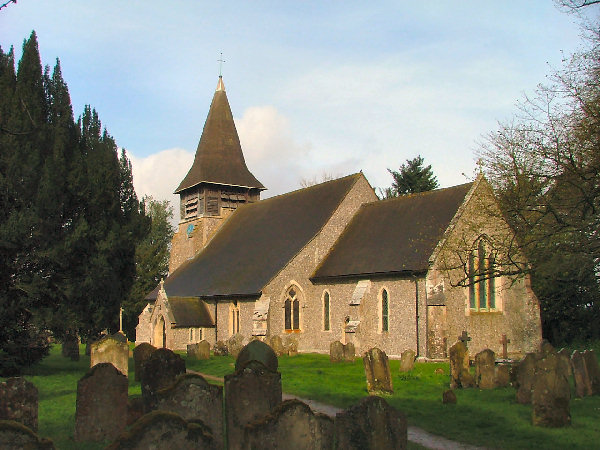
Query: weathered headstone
235	344
199	350
583	387
135	409
504	341
111	349
377	371
276	344
162	429
70	346
19	402
101	408
372	424
485	369
158	372
220	349
293	425
523	378
591	364
336	352
191	397
565	362
16	436
551	394
449	397
251	392
502	378
460	376
407	360
349	352
546	347
141	353
290	344
257	351
464	338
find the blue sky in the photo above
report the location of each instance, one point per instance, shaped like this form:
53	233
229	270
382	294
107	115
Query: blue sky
315	87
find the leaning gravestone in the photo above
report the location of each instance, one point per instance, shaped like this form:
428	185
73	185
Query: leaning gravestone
70	346
407	360
220	349
101	408
16	436
158	372
583	387
291	425
165	430
460	376
551	394
591	364
252	391
141	353
191	397
485	369
234	344
111	349
349	352
336	352
377	371
372	424
19	402
524	376
290	345
276	344
565	362
200	350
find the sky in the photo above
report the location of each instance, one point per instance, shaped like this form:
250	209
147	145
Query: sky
317	88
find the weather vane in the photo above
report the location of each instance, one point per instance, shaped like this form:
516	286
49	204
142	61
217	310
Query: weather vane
221	61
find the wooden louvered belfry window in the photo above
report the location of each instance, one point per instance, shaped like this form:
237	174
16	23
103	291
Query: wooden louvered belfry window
292	310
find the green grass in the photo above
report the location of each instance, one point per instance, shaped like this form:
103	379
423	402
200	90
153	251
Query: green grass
488	418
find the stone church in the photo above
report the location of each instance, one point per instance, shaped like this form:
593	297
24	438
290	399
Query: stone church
333	262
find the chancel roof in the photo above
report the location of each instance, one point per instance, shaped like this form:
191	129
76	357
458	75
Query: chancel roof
219	158
257	241
190	312
393	236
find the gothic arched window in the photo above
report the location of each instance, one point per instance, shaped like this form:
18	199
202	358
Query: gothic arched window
482	281
292	310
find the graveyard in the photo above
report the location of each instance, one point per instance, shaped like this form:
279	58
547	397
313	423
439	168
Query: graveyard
491	418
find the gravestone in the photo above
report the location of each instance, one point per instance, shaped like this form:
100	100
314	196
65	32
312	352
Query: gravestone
135	409
523	378
546	347
257	351
158	372
111	349
372	424
591	364
460	376
19	402
70	346
234	344
336	352
290	345
377	371
191	397
199	350
551	394
251	392
449	397
16	436
407	360
349	352
293	425
141	353
583	388
165	430
502	378
565	362
504	341
485	369
220	349
101	407
276	344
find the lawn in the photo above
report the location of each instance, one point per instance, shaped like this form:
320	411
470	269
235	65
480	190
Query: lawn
488	418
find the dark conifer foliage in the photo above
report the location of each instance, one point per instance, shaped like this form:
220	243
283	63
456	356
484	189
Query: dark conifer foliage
412	177
69	217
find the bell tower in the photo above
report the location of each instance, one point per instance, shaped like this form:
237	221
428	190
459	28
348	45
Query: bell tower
217	183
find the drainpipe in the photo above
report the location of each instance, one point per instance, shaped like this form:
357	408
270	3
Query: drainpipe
417	311
216	328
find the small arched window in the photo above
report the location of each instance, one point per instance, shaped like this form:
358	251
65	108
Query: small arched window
385	310
482	281
326	326
292	310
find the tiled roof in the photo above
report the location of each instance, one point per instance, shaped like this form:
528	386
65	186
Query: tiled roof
190	312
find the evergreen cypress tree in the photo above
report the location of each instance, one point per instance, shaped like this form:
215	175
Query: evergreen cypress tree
412	177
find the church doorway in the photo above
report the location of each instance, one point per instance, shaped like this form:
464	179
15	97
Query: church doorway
160	335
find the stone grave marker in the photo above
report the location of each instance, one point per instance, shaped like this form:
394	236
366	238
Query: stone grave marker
524	376
502	377
349	352
192	398
135	409
235	344
377	371
16	436
583	388
551	394
504	341
101	408
165	430
220	349
293	425
407	360
449	397
546	347
372	424
591	364
565	362
70	346
199	350
336	352
485	369
141	353
464	338
19	402
251	392
276	344
158	372
290	345
460	376
111	349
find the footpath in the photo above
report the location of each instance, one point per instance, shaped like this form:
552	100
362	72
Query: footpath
415	434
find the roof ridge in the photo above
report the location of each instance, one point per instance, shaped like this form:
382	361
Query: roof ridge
419	194
285	194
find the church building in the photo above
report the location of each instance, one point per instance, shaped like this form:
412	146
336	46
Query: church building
333	262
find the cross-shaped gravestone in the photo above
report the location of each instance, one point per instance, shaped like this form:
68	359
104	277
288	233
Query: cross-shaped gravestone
504	343
464	338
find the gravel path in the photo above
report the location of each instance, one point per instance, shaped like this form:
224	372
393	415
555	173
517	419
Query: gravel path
415	434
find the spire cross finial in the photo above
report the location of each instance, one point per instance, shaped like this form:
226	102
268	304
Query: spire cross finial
221	61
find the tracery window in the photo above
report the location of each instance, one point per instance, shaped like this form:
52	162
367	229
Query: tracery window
326	325
234	318
482	282
385	310
292	310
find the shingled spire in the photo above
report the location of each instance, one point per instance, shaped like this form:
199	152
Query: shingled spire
219	158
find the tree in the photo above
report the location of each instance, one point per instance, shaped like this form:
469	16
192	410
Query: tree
410	179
